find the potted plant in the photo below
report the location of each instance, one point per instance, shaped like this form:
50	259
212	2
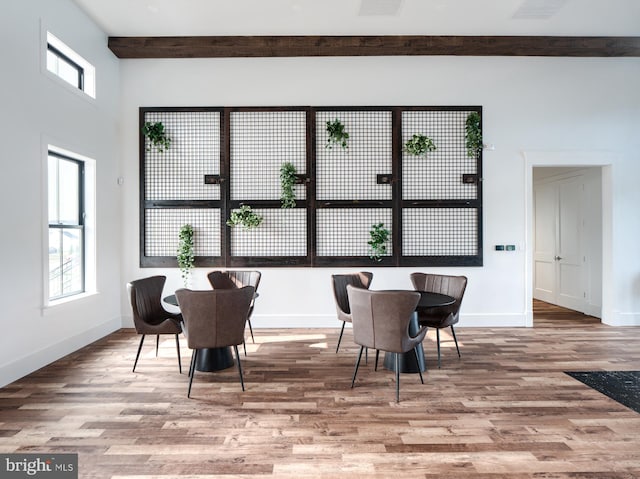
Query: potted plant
472	134
157	135
288	180
378	243
245	217
337	134
419	144
186	254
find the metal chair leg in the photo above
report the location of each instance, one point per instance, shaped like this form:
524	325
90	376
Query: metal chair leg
415	353
178	348
377	356
138	355
235	347
340	338
251	331
456	340
397	378
194	358
157	343
244	345
355	372
438	338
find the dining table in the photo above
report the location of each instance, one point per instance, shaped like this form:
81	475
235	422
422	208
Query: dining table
407	361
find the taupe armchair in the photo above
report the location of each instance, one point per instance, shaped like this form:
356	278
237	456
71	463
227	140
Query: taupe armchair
214	319
381	321
149	316
339	283
237	279
445	316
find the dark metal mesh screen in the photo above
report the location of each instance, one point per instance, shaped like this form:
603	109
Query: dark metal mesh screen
178	174
260	143
283	232
440	231
162	226
439	175
345	231
350	174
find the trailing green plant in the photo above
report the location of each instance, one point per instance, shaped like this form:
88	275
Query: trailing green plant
419	144
157	135
186	253
378	242
287	181
337	134
472	134
245	217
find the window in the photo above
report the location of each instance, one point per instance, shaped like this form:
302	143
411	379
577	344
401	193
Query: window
70	67
66	226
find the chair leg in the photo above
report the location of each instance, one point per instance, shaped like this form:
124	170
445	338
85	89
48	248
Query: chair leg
415	353
192	370
138	355
251	331
397	378
456	340
438	338
178	348
340	338
377	356
366	355
235	347
355	372
157	343
244	345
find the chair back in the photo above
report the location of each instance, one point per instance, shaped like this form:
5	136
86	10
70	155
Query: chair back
381	319
145	295
215	318
234	279
340	281
453	286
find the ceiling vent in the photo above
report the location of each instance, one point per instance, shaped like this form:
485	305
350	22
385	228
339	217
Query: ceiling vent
538	9
379	7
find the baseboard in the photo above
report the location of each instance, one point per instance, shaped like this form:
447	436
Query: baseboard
35	360
493	320
622	319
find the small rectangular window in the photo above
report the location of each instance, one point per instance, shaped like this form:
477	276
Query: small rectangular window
70	67
66	226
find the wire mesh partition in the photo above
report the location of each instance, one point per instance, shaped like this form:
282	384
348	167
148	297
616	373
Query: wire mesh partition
163	226
439	232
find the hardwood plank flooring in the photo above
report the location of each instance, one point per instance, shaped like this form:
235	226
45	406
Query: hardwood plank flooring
504	410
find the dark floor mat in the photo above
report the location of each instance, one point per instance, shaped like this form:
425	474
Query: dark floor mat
621	386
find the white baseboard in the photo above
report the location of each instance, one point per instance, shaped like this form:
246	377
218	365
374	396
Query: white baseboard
37	359
622	319
493	320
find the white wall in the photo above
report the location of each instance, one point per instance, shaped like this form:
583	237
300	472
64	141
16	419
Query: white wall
36	110
530	104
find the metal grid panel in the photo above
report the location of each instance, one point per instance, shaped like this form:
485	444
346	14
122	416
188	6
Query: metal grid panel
178	173
440	232
439	175
261	141
163	225
283	232
345	231
350	174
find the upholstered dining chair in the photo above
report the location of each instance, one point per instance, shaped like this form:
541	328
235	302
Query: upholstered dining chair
214	319
149	316
339	283
237	279
381	321
445	316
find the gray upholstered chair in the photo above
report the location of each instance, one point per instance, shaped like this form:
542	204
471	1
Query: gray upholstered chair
214	319
237	279
381	321
149	316
339	283
445	316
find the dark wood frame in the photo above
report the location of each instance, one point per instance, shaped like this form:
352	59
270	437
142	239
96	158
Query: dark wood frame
396	204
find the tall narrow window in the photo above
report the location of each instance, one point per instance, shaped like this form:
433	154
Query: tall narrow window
66	226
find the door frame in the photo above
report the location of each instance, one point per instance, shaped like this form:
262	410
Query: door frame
573	159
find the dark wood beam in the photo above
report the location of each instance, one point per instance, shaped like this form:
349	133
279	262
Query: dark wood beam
323	46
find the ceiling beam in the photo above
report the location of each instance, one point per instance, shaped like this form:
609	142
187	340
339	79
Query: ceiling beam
395	45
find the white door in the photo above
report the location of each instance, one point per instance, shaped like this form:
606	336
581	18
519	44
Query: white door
558	260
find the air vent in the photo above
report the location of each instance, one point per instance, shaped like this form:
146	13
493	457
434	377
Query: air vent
379	7
538	9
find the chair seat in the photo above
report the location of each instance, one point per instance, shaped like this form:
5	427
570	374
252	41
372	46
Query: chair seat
437	321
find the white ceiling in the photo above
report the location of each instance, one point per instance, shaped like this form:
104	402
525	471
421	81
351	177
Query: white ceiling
365	17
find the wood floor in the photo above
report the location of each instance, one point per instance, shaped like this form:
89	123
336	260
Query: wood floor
504	410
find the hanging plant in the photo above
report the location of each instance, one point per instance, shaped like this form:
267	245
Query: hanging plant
337	135
186	254
419	144
472	134
378	242
287	181
157	135
245	217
